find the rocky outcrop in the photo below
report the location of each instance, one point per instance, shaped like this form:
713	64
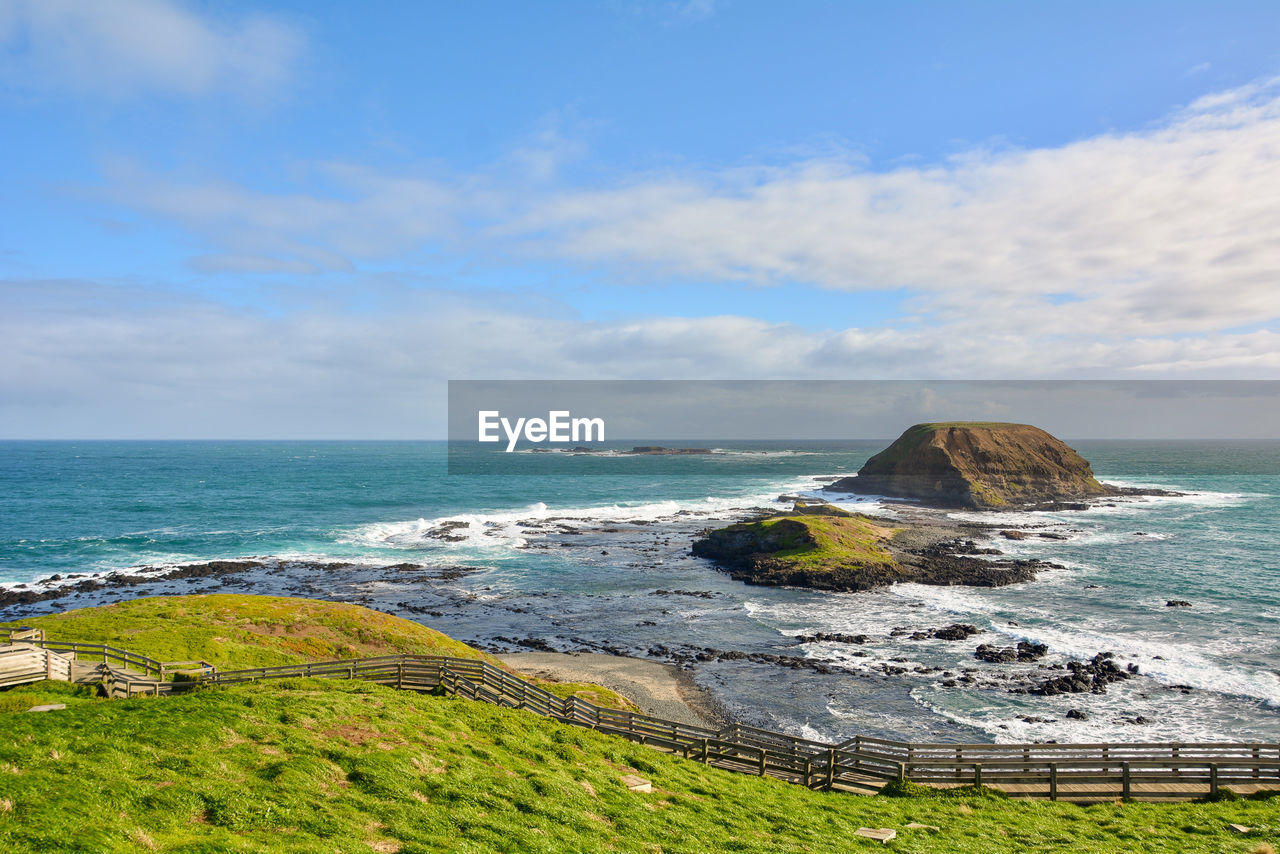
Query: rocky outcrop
826	548
978	465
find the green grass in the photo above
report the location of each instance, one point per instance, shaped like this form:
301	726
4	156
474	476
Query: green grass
824	542
597	694
240	631
233	631
308	765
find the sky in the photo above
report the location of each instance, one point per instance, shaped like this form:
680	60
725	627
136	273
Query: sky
300	219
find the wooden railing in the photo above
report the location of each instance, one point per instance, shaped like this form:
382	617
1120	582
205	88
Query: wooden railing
21	633
22	663
107	655
1078	772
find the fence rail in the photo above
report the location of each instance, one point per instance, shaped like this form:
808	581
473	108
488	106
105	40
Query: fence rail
1078	772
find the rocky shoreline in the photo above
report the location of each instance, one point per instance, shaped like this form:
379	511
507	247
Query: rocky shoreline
664	605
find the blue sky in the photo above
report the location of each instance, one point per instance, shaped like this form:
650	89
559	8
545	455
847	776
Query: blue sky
300	219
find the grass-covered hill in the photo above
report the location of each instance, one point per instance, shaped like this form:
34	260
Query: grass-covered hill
241	631
311	766
326	766
824	547
232	631
820	546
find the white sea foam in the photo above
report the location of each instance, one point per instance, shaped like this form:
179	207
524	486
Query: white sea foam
1110	716
502	530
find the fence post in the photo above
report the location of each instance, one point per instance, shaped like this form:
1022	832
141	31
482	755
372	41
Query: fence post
902	772
1213	779
977	774
400	674
706	752
1125	789
1053	781
831	767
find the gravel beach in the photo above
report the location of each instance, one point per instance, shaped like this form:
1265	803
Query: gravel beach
658	689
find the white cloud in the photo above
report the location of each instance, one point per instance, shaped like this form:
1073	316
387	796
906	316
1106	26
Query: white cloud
1151	253
1163	231
368	215
1166	231
126	47
77	357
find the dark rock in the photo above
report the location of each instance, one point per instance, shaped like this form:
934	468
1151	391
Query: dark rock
953	632
445	531
1177	603
992	655
1092	676
698	594
1025	652
832	637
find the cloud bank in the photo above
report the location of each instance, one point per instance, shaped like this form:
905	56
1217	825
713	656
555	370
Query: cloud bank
155	364
125	48
1166	231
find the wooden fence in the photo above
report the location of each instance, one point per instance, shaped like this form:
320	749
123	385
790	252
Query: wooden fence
1076	772
22	663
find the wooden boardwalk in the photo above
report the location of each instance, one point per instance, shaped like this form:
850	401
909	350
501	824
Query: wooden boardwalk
1069	772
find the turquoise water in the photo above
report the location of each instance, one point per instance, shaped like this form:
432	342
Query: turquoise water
1210	671
97	506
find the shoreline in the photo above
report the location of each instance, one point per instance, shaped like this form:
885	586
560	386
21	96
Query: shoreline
805	661
659	689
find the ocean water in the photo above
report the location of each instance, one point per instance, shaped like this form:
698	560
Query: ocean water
585	553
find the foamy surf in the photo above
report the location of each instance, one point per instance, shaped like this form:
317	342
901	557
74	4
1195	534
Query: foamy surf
513	529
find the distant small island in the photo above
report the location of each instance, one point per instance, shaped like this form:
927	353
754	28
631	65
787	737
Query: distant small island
981	465
638	450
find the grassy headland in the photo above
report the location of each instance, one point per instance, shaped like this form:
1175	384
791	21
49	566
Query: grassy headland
313	765
248	631
239	631
310	765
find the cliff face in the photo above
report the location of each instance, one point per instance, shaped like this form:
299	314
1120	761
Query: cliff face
976	464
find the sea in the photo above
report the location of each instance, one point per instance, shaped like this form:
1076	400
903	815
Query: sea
591	552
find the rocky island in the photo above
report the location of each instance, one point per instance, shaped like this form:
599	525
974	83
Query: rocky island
981	465
827	548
